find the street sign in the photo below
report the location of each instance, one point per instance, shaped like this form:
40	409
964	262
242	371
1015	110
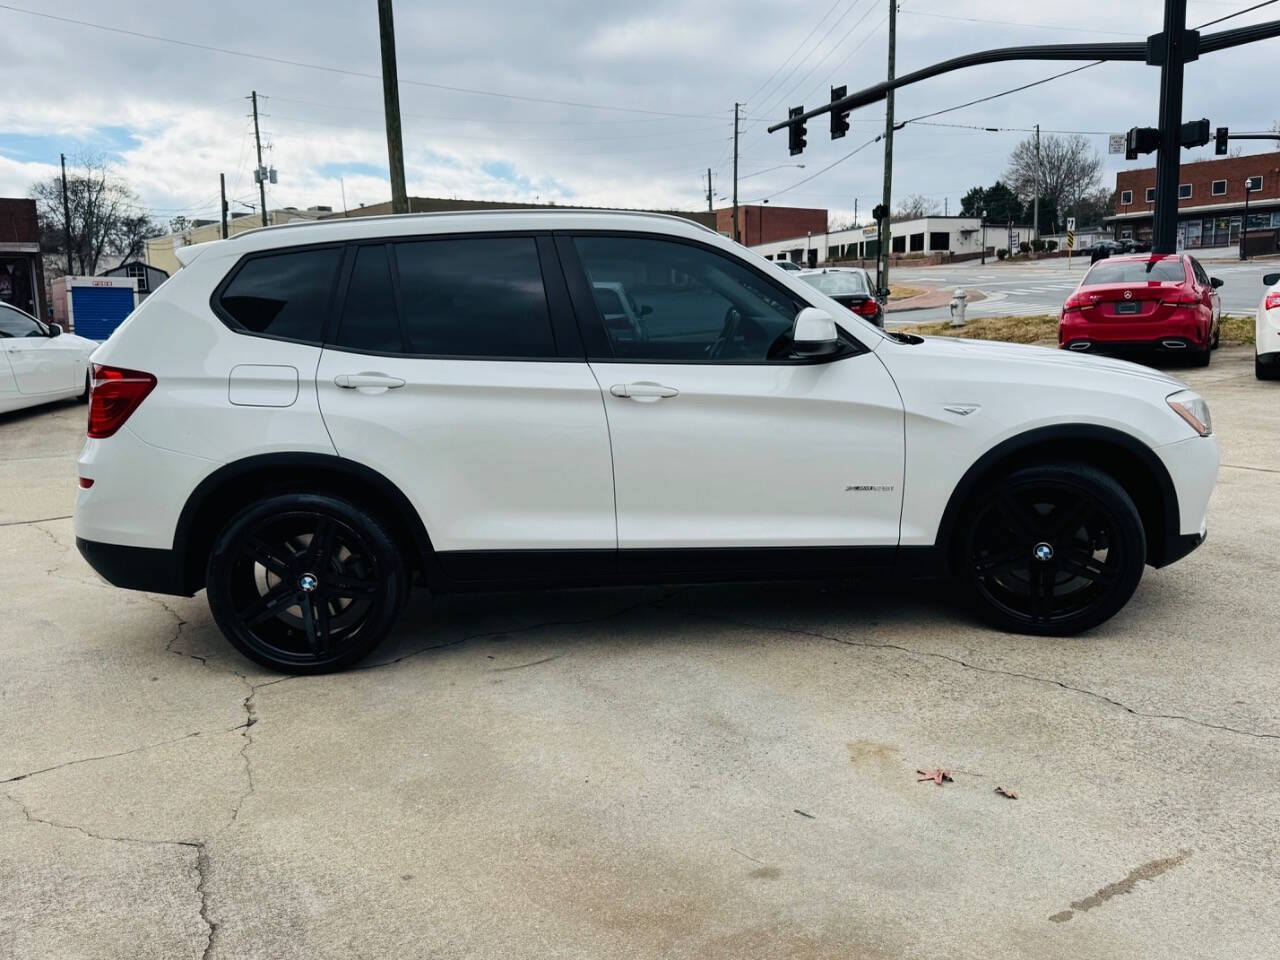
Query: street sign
1071	223
1115	143
1071	239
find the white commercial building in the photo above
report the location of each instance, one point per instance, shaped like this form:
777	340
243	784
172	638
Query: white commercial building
960	236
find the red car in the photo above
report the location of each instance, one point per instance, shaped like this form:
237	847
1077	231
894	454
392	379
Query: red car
1164	302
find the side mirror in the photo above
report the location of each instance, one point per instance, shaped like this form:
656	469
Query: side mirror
815	334
1271	279
55	329
1215	282
885	293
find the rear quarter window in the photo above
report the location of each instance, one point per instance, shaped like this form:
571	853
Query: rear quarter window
282	295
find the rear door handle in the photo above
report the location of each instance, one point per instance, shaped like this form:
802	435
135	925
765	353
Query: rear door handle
367	382
646	391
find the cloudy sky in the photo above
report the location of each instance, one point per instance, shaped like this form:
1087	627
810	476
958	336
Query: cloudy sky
602	103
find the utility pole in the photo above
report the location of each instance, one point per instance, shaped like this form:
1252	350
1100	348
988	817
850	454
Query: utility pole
391	107
1168	159
66	214
262	171
855	211
1035	215
709	207
882	274
222	189
736	105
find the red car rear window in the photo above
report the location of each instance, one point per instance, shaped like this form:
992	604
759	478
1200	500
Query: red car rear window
1136	271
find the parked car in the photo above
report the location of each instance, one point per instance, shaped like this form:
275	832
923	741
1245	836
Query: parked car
1105	248
1144	301
788	266
38	362
287	427
851	287
1266	356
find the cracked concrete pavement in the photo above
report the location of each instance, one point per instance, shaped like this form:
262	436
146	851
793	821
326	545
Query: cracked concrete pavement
720	771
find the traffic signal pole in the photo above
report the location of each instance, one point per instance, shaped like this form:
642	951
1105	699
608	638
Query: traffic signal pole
1170	50
1174	47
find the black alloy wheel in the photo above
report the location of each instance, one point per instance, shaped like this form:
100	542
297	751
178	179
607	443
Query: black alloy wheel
1052	550
305	583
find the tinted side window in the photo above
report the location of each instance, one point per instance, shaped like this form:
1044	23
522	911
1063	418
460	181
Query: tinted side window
15	324
369	320
688	303
474	297
284	295
1202	278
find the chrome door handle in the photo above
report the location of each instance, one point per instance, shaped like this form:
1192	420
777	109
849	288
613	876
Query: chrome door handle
371	382
646	391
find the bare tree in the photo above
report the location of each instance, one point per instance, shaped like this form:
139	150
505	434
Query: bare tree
1070	169
106	216
913	207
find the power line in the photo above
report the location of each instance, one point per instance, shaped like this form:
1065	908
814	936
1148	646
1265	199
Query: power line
1004	93
464	136
1238	13
855	150
351	73
487	120
1017	23
798	48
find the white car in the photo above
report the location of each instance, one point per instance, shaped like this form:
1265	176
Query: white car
39	363
306	420
1266	357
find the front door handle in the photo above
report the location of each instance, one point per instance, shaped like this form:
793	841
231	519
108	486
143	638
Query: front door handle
646	391
367	382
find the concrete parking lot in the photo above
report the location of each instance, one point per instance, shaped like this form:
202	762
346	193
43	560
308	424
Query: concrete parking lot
704	772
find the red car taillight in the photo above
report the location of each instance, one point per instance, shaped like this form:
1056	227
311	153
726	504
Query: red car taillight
867	308
1273	300
1077	303
116	393
1182	300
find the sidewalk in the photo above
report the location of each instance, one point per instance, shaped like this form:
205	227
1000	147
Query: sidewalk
931	299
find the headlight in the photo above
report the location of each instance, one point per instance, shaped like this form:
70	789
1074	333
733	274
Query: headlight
1192	408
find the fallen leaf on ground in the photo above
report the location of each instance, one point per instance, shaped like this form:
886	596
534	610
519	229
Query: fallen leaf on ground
1007	794
938	776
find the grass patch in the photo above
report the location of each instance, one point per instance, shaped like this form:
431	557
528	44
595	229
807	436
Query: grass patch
1238	330
1041	329
904	293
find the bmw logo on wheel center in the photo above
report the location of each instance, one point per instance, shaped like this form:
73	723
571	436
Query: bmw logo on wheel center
308	582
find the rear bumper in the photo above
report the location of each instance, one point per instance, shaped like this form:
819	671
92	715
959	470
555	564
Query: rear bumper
1175	548
1113	334
136	568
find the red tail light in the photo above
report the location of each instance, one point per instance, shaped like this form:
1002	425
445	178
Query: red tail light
1273	300
1183	300
1078	302
867	308
116	393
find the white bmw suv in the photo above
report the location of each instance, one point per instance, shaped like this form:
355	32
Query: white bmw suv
307	420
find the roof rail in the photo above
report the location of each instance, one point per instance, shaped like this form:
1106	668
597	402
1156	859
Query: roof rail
294	224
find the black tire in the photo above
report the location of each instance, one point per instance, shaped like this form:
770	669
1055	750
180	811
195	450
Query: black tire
1217	337
1201	358
84	395
1096	550
305	583
1265	371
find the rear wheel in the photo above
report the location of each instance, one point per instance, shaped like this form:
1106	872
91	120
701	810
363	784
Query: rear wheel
1201	358
1051	550
84	394
305	583
1265	371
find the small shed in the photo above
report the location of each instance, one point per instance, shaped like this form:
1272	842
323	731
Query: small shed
93	307
148	277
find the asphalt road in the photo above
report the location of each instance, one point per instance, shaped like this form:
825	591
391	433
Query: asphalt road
1030	289
717	772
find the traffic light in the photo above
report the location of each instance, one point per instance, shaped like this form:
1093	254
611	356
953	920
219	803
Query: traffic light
1194	133
879	212
1220	142
796	132
839	118
1141	140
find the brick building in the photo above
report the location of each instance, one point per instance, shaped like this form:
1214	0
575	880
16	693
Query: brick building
21	270
766	223
1211	200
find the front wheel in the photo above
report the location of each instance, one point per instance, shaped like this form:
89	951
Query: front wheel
1051	550
305	583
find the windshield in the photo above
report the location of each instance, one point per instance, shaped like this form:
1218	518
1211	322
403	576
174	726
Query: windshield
1136	271
838	284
